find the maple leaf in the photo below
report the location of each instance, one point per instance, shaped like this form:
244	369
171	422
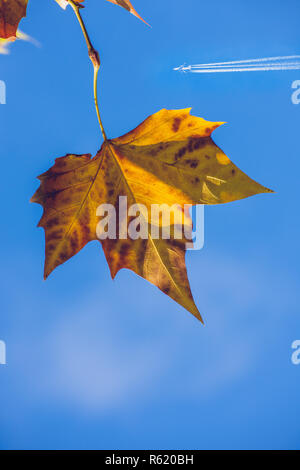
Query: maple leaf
11	13
168	159
128	6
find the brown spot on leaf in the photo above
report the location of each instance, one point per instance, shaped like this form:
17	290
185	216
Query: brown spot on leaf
190	145
199	143
63	257
180	153
85	233
74	241
124	249
50	247
56	235
176	124
192	163
52	222
166	289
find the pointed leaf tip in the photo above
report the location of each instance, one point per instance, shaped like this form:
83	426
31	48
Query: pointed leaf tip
128	6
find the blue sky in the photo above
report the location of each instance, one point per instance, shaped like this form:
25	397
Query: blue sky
97	364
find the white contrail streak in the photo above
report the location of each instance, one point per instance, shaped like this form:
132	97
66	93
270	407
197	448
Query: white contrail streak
253	65
246	69
250	61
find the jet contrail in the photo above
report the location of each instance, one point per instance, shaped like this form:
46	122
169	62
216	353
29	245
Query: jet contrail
253	65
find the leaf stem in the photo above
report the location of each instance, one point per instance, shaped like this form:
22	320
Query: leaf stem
95	59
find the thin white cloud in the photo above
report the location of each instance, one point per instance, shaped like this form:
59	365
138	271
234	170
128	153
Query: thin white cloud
89	360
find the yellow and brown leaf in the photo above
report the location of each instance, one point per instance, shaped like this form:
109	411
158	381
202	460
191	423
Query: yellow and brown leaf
11	13
168	159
